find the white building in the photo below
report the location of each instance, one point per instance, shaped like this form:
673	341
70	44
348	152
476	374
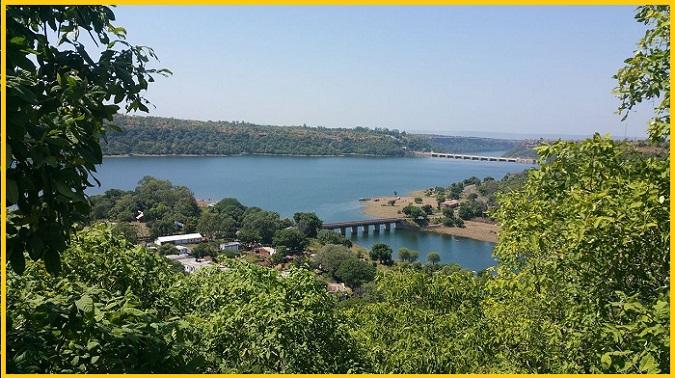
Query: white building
180	239
231	246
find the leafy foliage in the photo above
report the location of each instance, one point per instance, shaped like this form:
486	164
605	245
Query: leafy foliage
646	75
381	253
331	237
123	309
291	238
589	229
308	223
58	97
164	207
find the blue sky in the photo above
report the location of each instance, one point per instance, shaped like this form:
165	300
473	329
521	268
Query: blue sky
532	70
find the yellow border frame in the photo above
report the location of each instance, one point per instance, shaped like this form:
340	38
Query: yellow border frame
3	146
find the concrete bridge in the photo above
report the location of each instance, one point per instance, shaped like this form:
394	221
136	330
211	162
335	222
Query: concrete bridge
365	224
481	158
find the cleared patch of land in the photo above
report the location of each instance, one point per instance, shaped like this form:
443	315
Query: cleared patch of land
392	206
472	229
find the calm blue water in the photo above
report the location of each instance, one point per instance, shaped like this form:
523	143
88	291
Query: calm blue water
329	186
471	254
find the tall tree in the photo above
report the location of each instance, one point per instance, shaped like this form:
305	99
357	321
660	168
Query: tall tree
58	97
381	253
433	258
308	223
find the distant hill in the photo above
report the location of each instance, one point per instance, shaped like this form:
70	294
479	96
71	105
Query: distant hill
170	136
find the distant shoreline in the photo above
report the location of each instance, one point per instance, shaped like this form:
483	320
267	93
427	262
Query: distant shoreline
257	154
411	154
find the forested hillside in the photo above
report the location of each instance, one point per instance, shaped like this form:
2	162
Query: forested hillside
159	136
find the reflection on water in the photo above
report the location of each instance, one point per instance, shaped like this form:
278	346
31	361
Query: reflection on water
471	254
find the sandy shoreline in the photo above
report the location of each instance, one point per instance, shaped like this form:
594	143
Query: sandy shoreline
379	207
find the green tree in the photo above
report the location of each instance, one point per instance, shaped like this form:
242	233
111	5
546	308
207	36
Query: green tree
168	249
308	223
163	227
416	214
58	98
202	250
354	272
332	237
230	207
381	253
291	238
440	198
215	225
407	255
330	256
471	208
433	258
261	225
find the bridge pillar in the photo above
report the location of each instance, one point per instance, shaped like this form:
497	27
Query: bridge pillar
376	228
343	231
355	230
387	226
365	229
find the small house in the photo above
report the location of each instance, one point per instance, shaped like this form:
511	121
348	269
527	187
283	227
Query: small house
450	204
231	246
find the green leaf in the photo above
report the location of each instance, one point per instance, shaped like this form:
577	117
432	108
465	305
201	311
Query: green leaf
606	361
648	364
85	304
92	344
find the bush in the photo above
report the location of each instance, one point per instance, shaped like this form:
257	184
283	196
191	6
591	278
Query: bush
407	255
230	253
278	258
418	200
471	209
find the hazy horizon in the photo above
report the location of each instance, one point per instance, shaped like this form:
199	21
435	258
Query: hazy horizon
444	70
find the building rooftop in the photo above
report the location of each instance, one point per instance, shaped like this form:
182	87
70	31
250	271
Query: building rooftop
230	244
170	238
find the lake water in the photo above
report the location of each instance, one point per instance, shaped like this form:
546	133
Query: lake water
329	186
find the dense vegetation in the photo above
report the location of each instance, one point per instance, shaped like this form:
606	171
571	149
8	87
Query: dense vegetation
121	308
154	135
582	282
